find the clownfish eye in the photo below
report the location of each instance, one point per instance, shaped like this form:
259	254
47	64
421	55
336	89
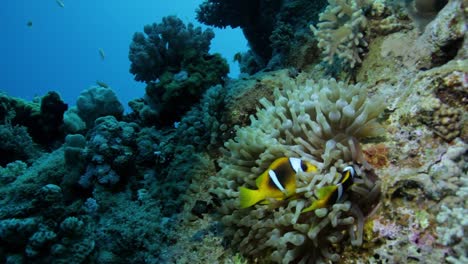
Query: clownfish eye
304	166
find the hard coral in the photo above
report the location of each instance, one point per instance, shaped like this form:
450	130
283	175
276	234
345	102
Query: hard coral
277	31
244	14
165	46
173	95
174	60
445	121
43	121
377	155
111	150
321	123
204	125
96	102
16	144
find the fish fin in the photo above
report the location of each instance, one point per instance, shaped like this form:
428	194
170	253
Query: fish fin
259	181
325	192
294	196
249	197
323	195
315	205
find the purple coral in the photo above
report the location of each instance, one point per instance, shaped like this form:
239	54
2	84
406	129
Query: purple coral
389	230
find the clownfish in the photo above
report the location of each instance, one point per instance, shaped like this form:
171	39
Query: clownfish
278	181
325	195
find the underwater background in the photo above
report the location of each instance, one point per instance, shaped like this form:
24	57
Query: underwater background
65	42
294	131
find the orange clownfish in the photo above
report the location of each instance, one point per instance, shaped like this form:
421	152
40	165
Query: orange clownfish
333	193
278	181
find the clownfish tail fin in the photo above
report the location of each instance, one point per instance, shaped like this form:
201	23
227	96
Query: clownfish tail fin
249	197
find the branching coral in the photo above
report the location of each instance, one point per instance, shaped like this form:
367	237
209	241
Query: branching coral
166	45
111	152
174	60
16	144
321	123
452	232
204	125
339	32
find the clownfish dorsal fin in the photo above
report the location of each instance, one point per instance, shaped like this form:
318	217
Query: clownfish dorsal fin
295	164
249	197
349	172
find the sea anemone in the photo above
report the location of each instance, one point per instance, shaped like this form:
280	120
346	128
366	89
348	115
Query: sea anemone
322	123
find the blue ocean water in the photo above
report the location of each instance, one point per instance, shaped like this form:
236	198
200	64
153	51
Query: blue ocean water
60	50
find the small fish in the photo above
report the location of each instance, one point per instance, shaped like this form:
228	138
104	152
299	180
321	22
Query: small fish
102	54
60	3
102	84
278	181
333	193
29	23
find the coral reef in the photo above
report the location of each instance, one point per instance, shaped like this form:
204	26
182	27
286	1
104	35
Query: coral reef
165	46
174	61
442	39
112	149
277	32
96	102
43	119
207	116
16	144
453	225
445	121
95	185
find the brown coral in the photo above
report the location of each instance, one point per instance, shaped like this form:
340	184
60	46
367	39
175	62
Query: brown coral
377	155
453	89
445	121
